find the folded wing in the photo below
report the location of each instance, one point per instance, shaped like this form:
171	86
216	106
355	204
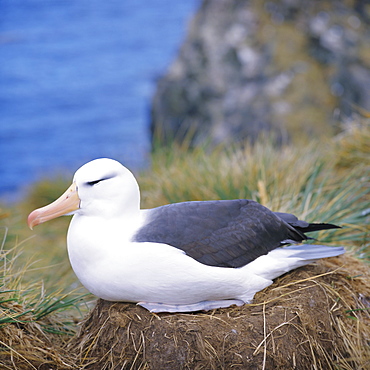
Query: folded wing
224	233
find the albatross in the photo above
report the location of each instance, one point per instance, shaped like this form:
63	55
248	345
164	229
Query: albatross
179	257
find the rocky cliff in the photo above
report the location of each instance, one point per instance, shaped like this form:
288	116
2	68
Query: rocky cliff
294	67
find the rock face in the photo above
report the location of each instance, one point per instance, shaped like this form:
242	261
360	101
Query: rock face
293	67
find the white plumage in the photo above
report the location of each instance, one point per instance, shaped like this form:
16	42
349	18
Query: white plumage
116	249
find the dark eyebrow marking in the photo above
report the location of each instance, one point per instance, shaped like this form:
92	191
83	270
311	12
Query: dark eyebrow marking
91	183
94	182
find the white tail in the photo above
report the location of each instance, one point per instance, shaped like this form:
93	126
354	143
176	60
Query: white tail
281	260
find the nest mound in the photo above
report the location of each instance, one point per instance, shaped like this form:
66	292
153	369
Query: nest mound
316	317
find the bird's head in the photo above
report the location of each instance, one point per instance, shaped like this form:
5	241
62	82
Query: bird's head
102	187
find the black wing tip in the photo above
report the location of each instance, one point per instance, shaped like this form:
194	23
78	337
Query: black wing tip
321	226
329	226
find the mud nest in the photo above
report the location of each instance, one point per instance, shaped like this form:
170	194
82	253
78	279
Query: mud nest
316	317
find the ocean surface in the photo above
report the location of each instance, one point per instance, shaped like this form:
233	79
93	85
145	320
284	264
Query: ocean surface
76	81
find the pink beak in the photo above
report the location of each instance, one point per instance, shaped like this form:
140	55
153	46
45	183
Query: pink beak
66	203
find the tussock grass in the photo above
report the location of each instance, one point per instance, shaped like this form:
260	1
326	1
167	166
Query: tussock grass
309	181
352	146
34	325
323	181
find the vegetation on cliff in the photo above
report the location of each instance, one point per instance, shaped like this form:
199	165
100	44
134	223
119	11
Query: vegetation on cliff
41	301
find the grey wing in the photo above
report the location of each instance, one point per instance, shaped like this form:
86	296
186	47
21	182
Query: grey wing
227	233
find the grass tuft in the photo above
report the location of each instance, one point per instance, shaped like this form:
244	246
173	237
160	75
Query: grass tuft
35	325
323	181
308	181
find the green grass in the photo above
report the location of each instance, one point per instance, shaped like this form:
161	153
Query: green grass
24	301
323	181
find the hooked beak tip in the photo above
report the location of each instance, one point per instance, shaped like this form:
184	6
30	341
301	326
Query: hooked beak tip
32	219
65	204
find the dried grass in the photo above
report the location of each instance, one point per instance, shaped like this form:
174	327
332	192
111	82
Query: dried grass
25	344
316	317
34	328
352	145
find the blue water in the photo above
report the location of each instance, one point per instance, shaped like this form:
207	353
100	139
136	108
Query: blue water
76	80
